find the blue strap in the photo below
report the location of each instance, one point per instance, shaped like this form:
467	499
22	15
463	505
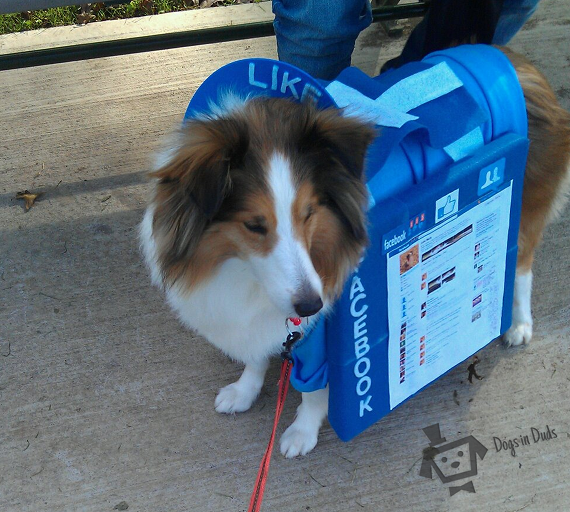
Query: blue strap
392	106
310	369
420	119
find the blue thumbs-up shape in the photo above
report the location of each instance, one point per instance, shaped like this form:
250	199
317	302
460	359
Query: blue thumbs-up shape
447	205
447	208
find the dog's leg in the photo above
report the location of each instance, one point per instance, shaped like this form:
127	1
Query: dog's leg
547	178
301	436
543	198
239	396
521	329
533	222
539	206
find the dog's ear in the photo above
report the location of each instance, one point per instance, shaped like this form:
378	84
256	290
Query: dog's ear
200	167
345	138
345	141
192	185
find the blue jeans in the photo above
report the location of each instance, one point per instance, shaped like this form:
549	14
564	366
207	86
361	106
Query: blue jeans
318	36
513	16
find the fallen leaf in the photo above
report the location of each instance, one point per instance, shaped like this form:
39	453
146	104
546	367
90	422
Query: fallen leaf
29	197
85	16
209	3
148	6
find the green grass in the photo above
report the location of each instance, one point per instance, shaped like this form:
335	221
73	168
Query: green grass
69	15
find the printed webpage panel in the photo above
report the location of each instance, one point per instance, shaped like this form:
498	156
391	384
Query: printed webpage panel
445	294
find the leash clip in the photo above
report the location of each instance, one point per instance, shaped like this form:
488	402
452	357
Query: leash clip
291	339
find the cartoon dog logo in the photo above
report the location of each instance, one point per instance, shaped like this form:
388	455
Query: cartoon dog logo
452	461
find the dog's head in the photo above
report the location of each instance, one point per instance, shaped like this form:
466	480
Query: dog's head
275	183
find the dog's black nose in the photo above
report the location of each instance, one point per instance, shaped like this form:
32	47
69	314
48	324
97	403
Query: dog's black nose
308	306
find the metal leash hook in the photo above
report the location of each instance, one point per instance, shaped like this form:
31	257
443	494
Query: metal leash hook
292	337
295	320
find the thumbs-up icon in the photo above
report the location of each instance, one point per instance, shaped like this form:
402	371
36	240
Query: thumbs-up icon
447	208
447	205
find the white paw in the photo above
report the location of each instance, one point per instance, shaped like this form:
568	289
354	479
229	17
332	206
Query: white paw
518	334
298	440
234	398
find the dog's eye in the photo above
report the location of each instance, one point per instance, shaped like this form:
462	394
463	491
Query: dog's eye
256	227
310	211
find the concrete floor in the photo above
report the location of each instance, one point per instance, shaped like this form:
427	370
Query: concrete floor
105	399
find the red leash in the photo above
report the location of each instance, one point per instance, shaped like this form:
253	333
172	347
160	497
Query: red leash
257	495
258	490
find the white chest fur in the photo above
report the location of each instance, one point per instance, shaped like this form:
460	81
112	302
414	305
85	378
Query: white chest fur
233	312
231	309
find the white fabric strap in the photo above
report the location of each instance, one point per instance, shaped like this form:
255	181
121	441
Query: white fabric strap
391	108
371	200
420	88
466	145
356	104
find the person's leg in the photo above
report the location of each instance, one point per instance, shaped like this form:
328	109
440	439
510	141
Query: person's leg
450	23
318	36
513	16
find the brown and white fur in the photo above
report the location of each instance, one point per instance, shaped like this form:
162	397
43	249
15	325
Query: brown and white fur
258	213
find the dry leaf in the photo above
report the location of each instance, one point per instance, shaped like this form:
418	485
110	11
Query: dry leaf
28	197
148	6
85	16
208	3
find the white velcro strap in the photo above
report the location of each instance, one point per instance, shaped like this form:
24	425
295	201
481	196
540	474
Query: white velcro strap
371	200
466	145
391	107
420	88
356	104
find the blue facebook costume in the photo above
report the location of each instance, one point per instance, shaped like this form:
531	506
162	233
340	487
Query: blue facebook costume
444	121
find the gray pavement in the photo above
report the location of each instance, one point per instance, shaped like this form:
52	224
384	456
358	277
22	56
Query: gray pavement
105	399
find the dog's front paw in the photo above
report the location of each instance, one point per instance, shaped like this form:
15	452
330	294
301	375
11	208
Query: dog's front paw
518	334
301	437
235	398
298	440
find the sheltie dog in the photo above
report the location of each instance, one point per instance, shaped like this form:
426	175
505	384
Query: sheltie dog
258	214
